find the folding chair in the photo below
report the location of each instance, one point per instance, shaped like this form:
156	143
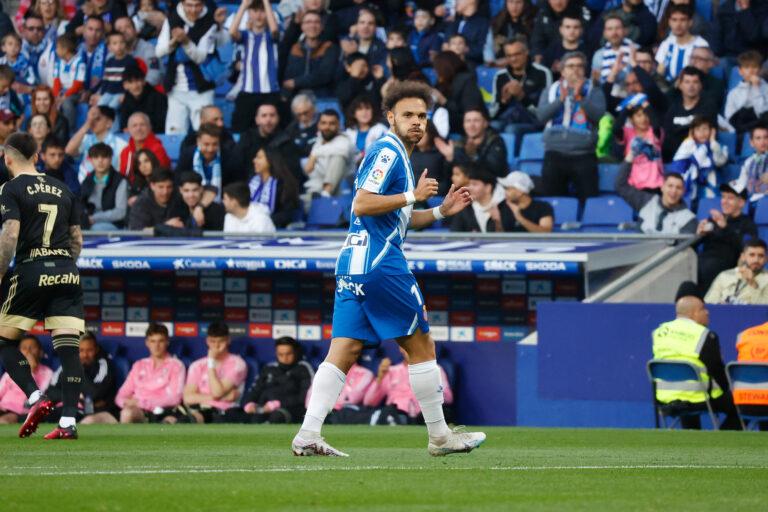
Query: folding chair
675	375
744	376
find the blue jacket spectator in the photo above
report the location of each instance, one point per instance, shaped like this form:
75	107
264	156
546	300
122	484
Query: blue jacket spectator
312	62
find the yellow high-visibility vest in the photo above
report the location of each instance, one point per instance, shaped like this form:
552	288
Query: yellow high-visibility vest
682	340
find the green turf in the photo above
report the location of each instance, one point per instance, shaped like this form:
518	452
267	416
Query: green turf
191	467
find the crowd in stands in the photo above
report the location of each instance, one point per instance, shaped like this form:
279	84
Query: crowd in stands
660	103
618	115
221	387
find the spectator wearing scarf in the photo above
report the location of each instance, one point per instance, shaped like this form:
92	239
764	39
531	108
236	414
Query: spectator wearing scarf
698	159
571	109
274	186
754	171
189	38
206	159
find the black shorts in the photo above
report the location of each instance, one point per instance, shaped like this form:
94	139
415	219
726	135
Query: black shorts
46	290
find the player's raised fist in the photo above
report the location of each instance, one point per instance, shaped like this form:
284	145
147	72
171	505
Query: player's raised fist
425	188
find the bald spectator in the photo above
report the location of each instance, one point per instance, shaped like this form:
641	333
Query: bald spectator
211	114
140	130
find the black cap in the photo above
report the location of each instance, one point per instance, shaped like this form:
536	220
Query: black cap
734	188
688	289
133	72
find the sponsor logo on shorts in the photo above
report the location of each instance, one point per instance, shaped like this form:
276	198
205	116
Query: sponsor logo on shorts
343	285
53	280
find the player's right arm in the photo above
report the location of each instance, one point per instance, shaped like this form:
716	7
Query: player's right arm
75	241
371	203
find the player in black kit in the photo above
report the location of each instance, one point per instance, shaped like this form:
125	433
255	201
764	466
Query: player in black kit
41	227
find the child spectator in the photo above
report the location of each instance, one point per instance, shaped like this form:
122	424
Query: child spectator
110	92
68	77
279	393
476	30
242	215
274	186
19	63
54	162
97	128
392	385
640	137
155	384
460	174
140	96
457	44
259	72
104	192
754	172
12	398
396	39
215	383
699	159
424	41
674	53
747	103
9	100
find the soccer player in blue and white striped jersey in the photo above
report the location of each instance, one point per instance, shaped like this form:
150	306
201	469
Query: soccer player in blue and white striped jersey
377	296
675	51
258	74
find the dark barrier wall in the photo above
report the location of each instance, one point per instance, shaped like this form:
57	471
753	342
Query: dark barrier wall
590	361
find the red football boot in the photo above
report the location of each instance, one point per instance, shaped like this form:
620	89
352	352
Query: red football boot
42	408
62	433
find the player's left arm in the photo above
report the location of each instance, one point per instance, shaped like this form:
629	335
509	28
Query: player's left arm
9	237
75	241
455	201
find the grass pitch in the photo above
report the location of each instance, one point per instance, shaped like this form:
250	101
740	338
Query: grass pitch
210	467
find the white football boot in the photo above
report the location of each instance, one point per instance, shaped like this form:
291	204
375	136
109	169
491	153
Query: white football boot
457	441
314	447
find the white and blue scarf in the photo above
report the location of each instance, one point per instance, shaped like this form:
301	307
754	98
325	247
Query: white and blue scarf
264	192
210	172
571	115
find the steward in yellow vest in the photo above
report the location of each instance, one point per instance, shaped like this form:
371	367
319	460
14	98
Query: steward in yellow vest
687	338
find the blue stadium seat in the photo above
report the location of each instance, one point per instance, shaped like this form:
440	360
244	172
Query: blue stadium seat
227	108
253	371
325	212
734	78
566	208
122	367
607	177
705	205
728	139
532	147
430	74
719	70
509	143
731	172
761	212
82	115
746	148
172	145
530	167
605	213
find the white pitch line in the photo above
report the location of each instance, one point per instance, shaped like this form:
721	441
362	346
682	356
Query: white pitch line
309	469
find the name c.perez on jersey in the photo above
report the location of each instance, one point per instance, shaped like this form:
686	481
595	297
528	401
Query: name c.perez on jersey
43	188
